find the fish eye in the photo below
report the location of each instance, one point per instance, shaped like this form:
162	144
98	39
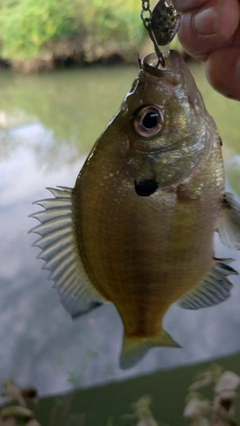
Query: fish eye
148	121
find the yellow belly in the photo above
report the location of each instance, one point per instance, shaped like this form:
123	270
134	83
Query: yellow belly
144	253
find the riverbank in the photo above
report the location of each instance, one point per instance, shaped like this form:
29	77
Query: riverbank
52	34
48	34
74	52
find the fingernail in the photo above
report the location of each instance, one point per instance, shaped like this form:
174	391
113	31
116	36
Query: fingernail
205	22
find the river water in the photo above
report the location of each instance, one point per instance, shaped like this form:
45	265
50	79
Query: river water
48	123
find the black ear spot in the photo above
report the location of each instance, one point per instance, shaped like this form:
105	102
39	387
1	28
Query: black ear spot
144	188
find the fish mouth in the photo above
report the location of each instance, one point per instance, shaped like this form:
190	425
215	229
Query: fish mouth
146	187
171	71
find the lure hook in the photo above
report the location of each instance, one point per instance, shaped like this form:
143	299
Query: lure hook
161	60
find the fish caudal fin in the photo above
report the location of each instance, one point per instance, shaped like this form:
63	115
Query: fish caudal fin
214	288
135	348
228	225
58	245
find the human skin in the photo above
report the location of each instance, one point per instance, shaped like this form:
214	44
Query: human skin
210	31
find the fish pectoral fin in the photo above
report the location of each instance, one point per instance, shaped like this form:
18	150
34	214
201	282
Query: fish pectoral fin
58	245
228	225
214	288
135	348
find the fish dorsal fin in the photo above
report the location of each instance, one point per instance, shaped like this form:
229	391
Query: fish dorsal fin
213	289
58	245
135	348
228	225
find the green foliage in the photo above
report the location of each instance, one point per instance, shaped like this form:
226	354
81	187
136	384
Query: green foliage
119	19
27	25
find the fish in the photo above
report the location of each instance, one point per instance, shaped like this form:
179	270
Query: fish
137	229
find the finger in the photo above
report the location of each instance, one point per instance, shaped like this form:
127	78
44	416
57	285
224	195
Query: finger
210	27
184	5
223	71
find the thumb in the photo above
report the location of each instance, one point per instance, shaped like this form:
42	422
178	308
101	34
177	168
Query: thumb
208	27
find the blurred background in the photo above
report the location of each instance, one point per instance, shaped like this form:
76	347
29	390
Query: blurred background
65	68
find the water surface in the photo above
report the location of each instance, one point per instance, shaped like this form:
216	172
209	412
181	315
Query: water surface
48	124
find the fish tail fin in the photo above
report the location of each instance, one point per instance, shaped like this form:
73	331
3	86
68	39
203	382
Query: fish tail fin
135	348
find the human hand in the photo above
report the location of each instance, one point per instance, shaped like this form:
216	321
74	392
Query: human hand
210	31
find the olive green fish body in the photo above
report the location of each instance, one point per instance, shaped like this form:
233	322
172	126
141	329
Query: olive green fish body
137	230
144	253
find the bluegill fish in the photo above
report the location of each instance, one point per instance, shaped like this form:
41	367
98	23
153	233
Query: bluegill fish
137	229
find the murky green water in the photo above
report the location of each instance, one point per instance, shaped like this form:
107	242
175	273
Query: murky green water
76	105
48	123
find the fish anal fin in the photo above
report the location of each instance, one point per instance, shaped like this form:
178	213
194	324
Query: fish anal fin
228	225
135	348
59	250
214	288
